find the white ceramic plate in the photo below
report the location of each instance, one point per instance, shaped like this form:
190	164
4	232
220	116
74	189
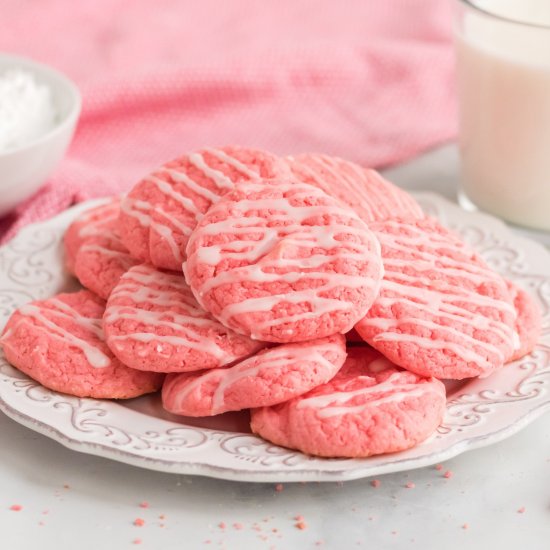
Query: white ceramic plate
139	432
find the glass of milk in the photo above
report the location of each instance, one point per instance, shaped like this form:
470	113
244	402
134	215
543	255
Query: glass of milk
503	62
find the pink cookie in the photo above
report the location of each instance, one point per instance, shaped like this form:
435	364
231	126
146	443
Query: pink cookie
370	407
90	223
283	262
94	251
364	190
528	322
160	212
59	343
153	322
271	376
441	311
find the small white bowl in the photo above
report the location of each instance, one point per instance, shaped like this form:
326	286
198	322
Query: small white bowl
24	169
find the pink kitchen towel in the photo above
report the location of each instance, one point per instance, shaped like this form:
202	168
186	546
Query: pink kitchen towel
367	80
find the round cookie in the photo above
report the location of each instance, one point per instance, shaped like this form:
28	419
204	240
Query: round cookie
93	249
371	196
370	407
283	262
441	310
59	342
90	223
153	322
528	322
161	210
271	376
101	262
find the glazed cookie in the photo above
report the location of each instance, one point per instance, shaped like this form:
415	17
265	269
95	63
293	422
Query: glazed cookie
160	212
528	321
59	342
283	262
100	262
271	376
441	310
153	322
90	223
371	196
93	250
370	407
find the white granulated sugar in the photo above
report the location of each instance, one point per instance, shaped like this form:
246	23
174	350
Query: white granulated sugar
26	109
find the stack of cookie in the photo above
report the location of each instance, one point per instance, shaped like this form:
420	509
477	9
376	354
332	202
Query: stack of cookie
307	289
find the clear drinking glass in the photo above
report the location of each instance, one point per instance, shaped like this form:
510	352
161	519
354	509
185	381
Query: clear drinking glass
503	62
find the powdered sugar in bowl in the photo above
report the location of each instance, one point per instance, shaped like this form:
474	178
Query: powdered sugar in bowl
39	108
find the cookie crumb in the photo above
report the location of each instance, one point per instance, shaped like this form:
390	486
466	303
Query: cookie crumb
66	486
376	483
521	510
279	487
136	541
410	485
222	525
16	507
299	518
138	522
439	467
465	526
238	526
144	504
448	474
300	525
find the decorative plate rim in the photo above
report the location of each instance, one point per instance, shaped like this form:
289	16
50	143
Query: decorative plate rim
482	230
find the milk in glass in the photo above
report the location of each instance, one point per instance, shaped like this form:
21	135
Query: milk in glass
504	91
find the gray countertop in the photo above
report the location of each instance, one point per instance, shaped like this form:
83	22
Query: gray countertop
498	496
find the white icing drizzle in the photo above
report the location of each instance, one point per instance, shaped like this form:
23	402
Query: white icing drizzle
453	296
174	308
95	357
269	253
396	398
137	209
465	353
178	189
232	161
92	225
281	357
222	182
186	340
364	190
89	323
147	275
380	364
168	189
168	236
124	259
195	187
391	390
443	310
